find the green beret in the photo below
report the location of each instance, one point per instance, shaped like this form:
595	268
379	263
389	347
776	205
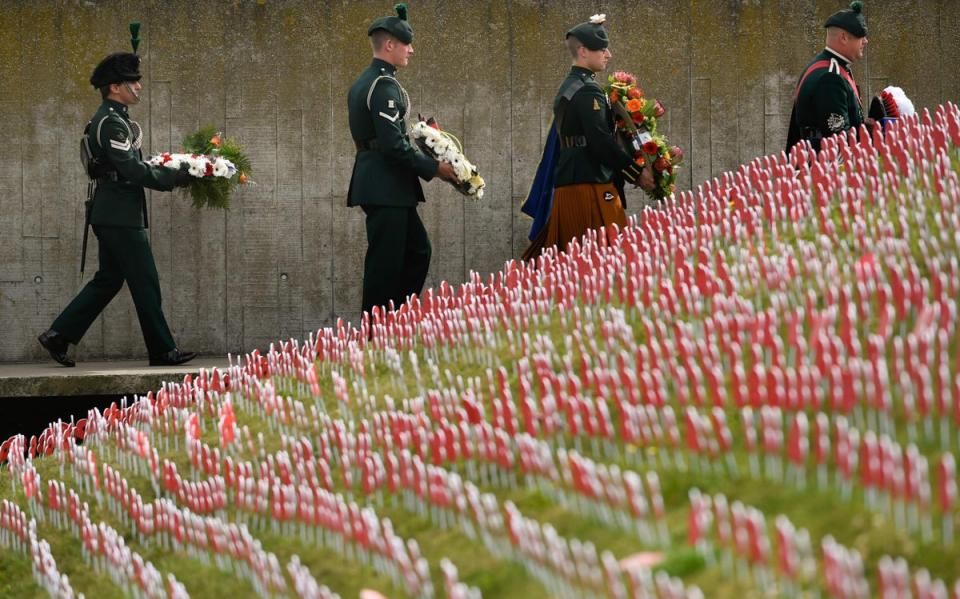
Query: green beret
396	26
116	68
591	34
849	19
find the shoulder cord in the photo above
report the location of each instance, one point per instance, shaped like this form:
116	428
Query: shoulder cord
403	92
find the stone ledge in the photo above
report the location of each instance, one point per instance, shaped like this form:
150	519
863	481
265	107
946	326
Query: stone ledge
94	378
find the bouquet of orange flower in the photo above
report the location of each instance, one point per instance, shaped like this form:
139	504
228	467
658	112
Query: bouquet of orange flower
636	122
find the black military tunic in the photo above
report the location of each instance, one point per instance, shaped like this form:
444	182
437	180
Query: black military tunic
589	152
826	101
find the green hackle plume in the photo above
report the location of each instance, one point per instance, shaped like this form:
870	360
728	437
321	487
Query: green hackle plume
135	35
401	11
856	6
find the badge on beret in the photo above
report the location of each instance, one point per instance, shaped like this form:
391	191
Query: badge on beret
592	34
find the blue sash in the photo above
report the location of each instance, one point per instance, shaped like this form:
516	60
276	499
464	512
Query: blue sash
540	199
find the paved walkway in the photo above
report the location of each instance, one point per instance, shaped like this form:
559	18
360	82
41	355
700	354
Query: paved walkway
120	377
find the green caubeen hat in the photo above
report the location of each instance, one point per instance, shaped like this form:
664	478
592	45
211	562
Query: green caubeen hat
397	26
850	19
120	66
591	34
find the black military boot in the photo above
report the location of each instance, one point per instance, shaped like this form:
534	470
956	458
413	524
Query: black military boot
54	343
173	357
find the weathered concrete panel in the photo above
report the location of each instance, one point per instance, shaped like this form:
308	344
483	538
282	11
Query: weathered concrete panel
288	257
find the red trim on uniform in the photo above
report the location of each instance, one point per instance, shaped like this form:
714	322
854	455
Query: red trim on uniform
825	64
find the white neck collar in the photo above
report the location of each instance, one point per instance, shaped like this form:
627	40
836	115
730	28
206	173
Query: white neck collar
838	55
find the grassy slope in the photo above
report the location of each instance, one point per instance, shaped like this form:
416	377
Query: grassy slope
819	512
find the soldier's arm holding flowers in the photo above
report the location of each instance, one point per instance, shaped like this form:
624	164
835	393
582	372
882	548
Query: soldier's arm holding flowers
590	105
385	106
118	148
831	101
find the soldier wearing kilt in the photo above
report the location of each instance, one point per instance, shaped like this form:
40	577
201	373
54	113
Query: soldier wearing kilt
585	195
827	100
386	173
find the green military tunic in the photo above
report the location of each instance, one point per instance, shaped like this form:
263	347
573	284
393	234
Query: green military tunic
119	219
589	152
386	184
826	102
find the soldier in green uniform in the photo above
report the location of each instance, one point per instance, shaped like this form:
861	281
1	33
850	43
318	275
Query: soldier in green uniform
119	219
588	155
386	174
826	100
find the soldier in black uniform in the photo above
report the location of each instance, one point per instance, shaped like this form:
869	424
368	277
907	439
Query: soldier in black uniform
119	219
589	157
387	171
826	100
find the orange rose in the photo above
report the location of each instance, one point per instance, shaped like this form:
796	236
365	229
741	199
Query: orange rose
243	178
635	93
614	97
634	105
215	140
641	161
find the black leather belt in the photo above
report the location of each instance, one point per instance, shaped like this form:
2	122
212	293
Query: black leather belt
576	141
367	144
111	177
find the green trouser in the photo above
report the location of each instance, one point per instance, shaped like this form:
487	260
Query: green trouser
124	256
398	255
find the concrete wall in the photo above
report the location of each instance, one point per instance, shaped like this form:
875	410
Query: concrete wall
274	74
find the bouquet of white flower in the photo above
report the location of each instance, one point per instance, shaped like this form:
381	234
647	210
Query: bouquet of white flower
217	163
439	144
198	165
890	104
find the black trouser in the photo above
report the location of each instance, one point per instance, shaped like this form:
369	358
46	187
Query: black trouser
125	255
398	255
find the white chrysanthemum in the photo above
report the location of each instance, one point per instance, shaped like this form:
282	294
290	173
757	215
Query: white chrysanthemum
220	168
598	19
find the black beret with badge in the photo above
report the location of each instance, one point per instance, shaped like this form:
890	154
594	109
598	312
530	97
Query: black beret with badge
591	34
397	26
850	19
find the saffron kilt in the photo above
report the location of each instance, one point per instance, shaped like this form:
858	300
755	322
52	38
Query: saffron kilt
576	209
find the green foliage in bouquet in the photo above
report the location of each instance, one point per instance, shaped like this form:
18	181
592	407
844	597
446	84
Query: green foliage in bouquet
214	192
636	121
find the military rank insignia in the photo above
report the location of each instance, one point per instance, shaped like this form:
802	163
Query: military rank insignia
596	105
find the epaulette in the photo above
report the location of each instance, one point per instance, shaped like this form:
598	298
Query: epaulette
573	89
